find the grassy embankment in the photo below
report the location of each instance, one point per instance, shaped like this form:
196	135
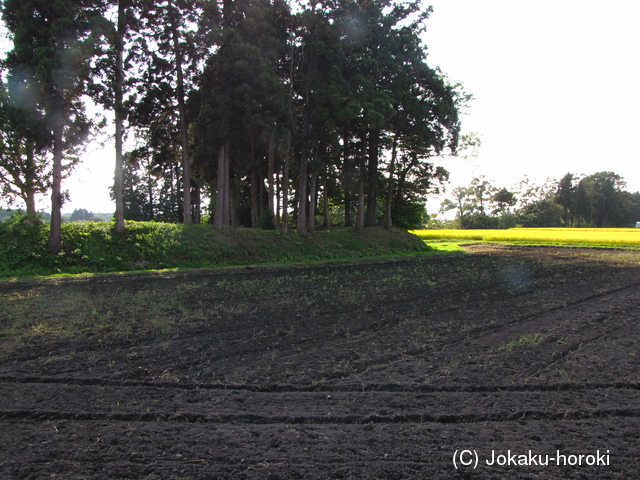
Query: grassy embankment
94	248
602	237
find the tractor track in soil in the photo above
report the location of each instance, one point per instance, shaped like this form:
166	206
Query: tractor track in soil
527	349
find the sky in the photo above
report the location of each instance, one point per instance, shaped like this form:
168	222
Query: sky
556	87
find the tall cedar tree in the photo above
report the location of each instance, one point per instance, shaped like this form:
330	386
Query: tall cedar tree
24	165
565	197
242	101
365	81
108	85
119	113
178	35
53	43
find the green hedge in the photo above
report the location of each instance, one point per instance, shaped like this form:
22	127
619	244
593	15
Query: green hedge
94	247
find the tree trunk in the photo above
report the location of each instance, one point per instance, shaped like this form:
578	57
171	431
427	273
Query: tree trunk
29	193
186	169
311	220
270	171
29	186
150	184
285	184
287	152
197	203
402	180
118	188
175	208
253	185
327	216
254	197
30	201
346	181
388	221
184	135
55	234
372	179
227	207
361	186
222	179
277	220
232	205
360	213
302	196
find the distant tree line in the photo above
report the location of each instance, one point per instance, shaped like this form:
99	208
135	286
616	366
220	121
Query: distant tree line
281	117
13	214
78	215
597	200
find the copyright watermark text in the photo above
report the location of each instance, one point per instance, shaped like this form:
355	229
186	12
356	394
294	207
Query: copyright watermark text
469	458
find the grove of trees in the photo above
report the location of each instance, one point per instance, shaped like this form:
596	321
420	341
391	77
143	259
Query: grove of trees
279	113
597	200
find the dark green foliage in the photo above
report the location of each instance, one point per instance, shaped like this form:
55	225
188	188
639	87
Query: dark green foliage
479	220
266	221
631	205
597	200
601	204
503	200
410	215
541	213
566	198
23	249
343	79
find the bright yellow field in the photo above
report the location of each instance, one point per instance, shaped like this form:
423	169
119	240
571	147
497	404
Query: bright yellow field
592	236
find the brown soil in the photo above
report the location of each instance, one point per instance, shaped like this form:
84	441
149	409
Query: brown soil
376	369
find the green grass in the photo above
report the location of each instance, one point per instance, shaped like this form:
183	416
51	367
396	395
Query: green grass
446	246
95	248
524	341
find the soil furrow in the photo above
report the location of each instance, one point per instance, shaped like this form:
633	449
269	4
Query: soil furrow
257	419
323	388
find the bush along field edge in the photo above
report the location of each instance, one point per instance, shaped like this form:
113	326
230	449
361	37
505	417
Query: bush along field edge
95	248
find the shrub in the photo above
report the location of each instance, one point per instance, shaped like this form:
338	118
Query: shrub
23	248
94	247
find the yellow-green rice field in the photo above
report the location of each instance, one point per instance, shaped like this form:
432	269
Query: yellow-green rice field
621	237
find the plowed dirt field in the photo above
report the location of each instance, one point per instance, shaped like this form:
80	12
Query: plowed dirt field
474	366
